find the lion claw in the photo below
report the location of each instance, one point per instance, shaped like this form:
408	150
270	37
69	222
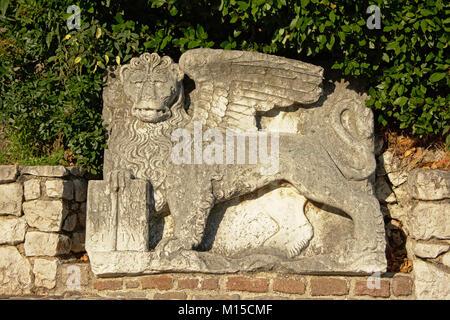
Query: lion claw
169	246
117	179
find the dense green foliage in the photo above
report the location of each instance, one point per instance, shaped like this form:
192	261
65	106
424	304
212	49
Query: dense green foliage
51	78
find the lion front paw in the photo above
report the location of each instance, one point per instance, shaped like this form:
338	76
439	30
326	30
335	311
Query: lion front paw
117	179
169	246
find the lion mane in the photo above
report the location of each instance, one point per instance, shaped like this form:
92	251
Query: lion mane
140	147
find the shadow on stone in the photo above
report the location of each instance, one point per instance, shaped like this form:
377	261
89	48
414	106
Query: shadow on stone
156	231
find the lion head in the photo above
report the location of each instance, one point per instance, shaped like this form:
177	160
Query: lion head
153	84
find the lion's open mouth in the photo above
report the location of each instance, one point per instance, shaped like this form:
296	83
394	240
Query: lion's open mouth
150	111
151	115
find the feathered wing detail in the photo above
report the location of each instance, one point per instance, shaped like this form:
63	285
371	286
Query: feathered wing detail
231	86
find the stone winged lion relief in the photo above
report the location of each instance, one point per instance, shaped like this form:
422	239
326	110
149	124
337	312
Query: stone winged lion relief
166	154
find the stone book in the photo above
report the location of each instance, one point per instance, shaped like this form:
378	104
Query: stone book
118	219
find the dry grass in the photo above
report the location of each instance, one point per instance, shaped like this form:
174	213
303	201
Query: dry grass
428	153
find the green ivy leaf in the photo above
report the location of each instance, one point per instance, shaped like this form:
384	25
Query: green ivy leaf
401	101
382	120
438	76
332	16
48	39
304	3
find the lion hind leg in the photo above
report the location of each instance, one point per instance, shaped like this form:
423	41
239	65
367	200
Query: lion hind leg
368	244
362	208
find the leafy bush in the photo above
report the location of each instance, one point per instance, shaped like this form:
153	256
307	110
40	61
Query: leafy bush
51	78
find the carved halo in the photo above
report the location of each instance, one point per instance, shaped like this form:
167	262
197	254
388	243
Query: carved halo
151	63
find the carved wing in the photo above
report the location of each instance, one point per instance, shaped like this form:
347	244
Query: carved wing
231	86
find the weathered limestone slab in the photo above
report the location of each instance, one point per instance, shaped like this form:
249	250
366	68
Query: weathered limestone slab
228	251
429	220
11	199
429	184
45	171
59	189
327	156
117	220
74	206
80	188
75	275
101	220
399	211
12	231
429	250
15	272
46	244
392	165
401	192
45	215
8	174
76	171
82	215
111	263
431	281
446	259
273	221
32	189
78	241
70	223
45	273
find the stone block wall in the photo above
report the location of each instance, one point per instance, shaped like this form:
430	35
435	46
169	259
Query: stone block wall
42	223
417	202
427	223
